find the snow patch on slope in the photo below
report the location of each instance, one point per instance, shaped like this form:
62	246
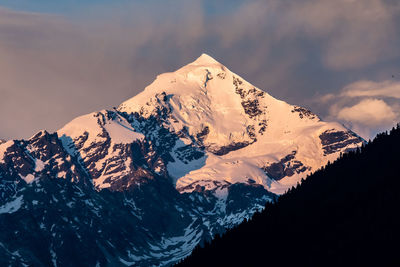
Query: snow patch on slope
84	124
3	148
95	124
39	165
178	168
121	132
12	206
28	178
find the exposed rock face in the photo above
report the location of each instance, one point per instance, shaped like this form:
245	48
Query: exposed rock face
223	150
334	141
286	167
304	113
195	153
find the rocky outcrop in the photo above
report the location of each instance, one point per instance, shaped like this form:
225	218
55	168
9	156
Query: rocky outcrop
333	140
286	167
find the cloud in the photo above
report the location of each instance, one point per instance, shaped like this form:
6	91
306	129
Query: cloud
350	34
368	37
369	112
365	106
365	88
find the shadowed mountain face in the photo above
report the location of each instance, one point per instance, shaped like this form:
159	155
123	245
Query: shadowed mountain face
343	215
195	153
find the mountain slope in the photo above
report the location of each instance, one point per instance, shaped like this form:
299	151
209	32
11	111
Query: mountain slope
343	215
197	152
55	215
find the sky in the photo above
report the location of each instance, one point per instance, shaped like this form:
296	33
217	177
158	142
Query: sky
61	59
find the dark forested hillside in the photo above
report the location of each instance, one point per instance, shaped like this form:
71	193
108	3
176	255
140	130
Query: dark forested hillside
346	214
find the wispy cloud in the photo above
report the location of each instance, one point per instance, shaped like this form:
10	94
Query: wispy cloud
365	88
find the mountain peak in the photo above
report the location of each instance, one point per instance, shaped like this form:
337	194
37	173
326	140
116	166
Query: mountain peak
204	59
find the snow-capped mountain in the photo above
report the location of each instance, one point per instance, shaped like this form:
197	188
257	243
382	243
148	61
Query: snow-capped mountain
246	135
196	152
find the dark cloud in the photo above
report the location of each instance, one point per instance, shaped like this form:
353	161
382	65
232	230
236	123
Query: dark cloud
54	68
